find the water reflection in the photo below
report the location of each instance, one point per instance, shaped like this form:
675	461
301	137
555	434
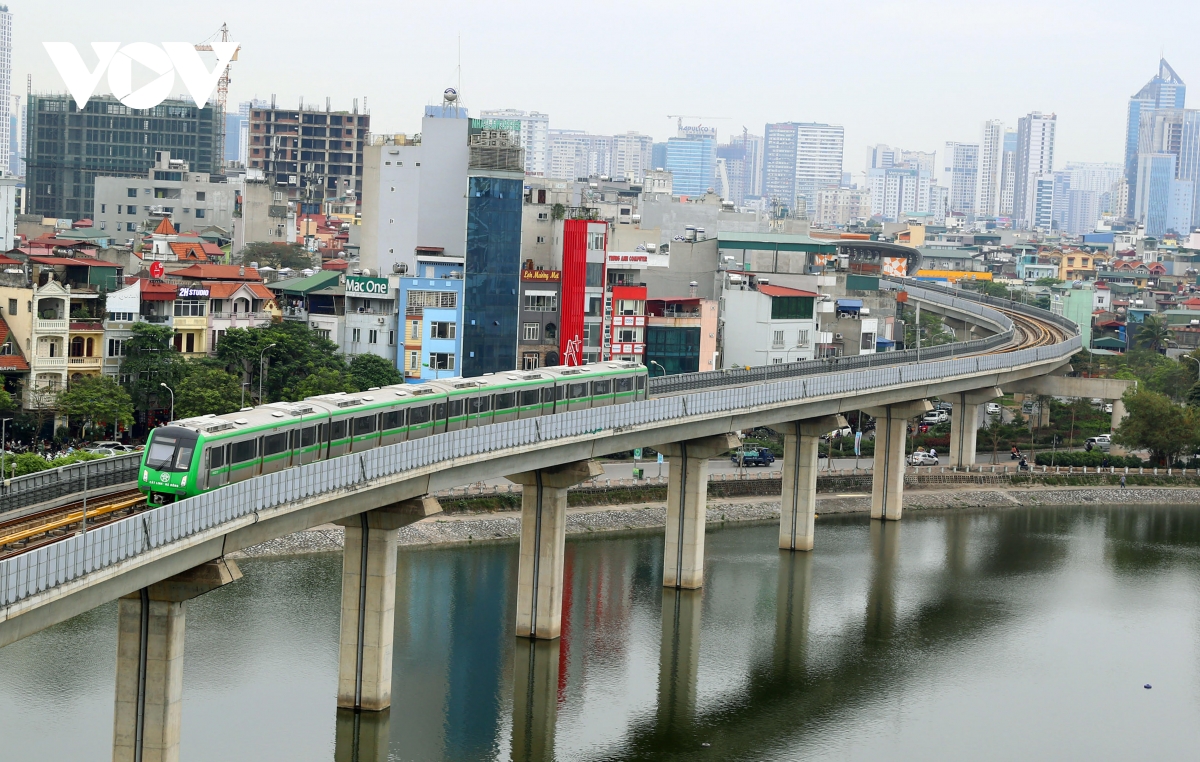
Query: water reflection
962	620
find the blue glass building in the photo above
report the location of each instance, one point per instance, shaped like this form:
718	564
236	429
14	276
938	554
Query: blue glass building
493	275
692	163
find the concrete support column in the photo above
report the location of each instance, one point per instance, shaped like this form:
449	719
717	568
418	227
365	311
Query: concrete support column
678	659
798	509
535	699
361	736
369	602
1118	414
687	503
543	545
150	638
887	479
964	424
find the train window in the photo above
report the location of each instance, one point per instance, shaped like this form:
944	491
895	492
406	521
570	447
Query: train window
364	425
308	436
171	452
602	387
338	431
274	444
216	457
551	393
530	397
505	401
439	411
480	405
418	415
393	420
456	408
244	451
575	391
641	383
624	384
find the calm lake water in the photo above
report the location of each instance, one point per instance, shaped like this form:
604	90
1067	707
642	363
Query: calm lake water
1017	634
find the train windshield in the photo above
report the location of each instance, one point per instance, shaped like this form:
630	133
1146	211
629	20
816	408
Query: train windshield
171	449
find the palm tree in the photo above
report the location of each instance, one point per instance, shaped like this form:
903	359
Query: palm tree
1152	334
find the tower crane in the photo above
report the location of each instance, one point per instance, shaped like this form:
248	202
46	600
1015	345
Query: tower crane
222	91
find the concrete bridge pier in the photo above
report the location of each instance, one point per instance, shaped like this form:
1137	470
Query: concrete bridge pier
964	424
361	736
369	602
543	545
687	503
535	699
797	514
891	429
150	637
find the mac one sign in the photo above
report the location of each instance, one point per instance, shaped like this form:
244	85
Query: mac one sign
172	58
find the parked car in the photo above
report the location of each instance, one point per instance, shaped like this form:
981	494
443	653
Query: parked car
934	417
753	456
993	408
107	452
1103	442
922	459
943	406
1108	408
116	446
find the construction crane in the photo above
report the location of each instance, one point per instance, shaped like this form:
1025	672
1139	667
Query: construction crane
222	92
681	117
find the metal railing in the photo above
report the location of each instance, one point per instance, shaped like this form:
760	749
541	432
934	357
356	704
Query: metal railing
42	486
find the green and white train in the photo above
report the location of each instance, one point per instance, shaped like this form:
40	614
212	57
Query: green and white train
196	455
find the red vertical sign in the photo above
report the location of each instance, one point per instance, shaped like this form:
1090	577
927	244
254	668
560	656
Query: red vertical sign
574	281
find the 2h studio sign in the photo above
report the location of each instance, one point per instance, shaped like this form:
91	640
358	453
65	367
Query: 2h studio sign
172	58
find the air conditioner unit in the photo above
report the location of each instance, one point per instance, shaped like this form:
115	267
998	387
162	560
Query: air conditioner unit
318	325
381	321
837	336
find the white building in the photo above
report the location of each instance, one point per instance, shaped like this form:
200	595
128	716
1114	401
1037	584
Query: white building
1008	173
818	160
1041	194
1035	158
414	194
837	207
767	325
631	156
962	176
991	163
575	154
535	137
6	45
193	201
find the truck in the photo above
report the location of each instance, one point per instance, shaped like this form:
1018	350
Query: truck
752	456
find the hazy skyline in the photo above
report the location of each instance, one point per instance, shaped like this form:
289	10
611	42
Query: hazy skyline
913	76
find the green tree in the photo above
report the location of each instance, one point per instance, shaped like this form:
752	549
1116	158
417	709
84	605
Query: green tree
151	359
298	353
323	381
277	255
1047	282
1152	334
97	400
369	371
1157	424
933	332
207	389
6	400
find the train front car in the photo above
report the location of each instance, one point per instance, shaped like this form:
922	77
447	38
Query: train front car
169	465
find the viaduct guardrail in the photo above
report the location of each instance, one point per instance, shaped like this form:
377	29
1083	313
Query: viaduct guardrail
43	486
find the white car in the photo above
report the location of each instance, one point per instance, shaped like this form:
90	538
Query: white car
934	417
993	408
1102	442
1108	408
106	452
922	459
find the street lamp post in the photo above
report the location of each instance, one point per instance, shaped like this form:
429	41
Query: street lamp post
660	367
261	356
3	449
172	391
244	385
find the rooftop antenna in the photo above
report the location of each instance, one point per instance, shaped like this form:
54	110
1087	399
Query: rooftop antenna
458	86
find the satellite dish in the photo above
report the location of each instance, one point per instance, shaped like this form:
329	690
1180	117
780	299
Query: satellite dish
450	95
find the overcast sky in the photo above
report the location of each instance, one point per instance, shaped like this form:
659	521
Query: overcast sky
912	74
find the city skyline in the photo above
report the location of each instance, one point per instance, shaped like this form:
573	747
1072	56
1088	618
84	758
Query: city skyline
424	44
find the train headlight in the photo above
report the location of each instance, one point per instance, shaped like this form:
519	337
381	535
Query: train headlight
145	475
183	482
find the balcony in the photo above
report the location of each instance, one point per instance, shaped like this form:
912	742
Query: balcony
157	319
191	321
42	325
88	326
84	363
295	313
49	363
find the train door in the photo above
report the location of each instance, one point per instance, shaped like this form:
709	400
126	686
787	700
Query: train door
577	395
529	402
504	406
392	427
275	455
364	432
456	413
339	438
602	392
215	467
440	410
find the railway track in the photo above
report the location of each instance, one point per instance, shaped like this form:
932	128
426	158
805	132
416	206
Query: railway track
1030	332
32	531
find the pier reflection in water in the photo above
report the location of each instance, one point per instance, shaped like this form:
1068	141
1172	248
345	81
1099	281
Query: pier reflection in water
932	638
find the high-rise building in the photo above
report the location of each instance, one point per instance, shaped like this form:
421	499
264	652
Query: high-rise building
735	170
752	175
632	154
991	162
962	176
1174	131
901	182
1164	202
1008	173
575	154
658	156
6	43
1035	157
313	155
72	146
691	159
799	159
1164	91
491	312
535	137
